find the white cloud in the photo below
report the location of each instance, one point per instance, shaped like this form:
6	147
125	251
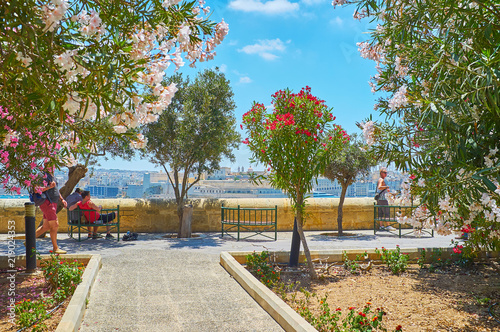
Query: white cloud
264	48
245	79
267	7
268	56
223	68
337	21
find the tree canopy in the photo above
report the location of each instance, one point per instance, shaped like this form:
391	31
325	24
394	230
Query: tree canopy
196	132
438	69
346	165
74	73
293	142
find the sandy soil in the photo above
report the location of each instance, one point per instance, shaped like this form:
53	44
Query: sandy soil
450	299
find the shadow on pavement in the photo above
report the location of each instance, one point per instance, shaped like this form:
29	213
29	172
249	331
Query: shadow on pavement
204	240
356	237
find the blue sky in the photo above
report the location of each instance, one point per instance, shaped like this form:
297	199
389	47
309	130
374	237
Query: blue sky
277	44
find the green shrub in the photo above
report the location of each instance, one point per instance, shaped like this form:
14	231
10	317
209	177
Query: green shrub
328	319
62	276
29	312
262	268
395	260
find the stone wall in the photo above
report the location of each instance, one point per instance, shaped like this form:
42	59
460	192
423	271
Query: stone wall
160	216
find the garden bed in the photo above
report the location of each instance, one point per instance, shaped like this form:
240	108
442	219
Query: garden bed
449	299
440	293
29	288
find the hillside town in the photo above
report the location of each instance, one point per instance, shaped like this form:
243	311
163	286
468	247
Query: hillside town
224	183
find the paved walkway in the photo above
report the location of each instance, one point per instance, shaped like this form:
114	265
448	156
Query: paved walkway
162	284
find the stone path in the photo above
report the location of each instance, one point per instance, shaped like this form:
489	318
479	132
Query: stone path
162	284
164	290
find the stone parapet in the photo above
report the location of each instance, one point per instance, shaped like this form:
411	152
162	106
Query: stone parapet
160	216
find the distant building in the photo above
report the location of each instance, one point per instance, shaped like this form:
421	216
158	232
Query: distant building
103	191
220	174
221	184
135	191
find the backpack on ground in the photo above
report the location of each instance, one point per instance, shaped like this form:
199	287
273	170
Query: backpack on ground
130	236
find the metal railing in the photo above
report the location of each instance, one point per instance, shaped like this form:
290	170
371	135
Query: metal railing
247	219
389	214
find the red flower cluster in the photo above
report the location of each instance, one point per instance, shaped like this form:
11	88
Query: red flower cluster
468	229
304	131
281	120
287	119
256	110
458	249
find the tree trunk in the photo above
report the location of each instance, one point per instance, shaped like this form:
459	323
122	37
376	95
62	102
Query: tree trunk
185	229
75	174
295	248
339	210
180	213
312	271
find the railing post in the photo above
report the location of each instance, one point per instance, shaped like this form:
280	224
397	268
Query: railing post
275	222
79	224
238	222
222	219
30	232
118	220
399	223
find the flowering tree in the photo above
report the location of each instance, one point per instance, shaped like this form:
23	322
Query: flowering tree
196	131
294	143
345	166
73	72
437	65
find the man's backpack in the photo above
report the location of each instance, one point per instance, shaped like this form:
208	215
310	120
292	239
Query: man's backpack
130	236
37	198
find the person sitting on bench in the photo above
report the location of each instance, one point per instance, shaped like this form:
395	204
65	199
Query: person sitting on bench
74	216
92	216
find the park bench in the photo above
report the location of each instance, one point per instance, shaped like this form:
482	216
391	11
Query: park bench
394	211
77	222
255	220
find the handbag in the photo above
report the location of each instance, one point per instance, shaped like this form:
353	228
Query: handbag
377	196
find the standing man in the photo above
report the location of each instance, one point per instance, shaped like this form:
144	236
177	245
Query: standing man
383	212
49	209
